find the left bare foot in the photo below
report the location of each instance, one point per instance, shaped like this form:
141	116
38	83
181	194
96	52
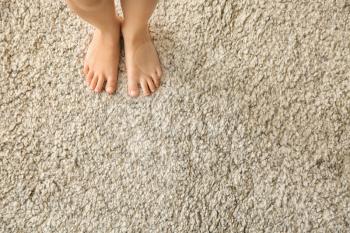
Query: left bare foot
142	62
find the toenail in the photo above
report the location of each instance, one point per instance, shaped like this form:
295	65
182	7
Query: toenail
110	90
133	93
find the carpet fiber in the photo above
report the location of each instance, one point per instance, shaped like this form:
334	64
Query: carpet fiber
249	132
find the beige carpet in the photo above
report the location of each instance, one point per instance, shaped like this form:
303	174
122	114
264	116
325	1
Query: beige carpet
250	131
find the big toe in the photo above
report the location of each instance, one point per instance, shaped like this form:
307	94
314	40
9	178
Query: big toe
133	88
111	85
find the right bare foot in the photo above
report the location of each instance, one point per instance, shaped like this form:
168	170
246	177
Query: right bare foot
102	60
142	62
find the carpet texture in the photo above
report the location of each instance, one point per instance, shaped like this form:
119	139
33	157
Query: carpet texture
249	132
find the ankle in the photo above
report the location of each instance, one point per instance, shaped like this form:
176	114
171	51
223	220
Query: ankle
132	32
108	34
111	30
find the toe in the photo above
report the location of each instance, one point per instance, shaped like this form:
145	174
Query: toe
86	69
145	87
156	80
159	72
111	85
93	82
133	88
100	83
151	85
89	77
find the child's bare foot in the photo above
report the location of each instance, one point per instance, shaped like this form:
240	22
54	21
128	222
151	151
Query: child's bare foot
142	62
102	60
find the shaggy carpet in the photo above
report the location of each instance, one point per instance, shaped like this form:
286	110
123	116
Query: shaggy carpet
249	132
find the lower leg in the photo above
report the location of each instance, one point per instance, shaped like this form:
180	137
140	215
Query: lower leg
99	13
102	58
137	13
142	60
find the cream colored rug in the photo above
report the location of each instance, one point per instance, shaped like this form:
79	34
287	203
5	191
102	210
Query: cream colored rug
250	131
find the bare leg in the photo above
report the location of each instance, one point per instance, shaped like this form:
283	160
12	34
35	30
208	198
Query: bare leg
102	59
142	62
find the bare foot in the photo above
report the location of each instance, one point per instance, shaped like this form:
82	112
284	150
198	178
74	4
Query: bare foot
142	62
102	60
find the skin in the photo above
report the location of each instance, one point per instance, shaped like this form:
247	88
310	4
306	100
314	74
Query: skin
142	62
102	58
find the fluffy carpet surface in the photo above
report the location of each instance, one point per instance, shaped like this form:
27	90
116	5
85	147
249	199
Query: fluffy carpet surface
249	132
